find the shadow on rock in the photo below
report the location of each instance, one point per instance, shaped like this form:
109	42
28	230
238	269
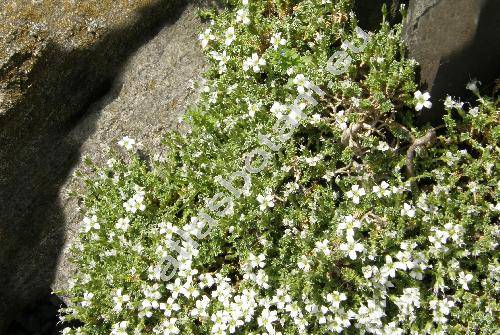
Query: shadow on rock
454	41
478	60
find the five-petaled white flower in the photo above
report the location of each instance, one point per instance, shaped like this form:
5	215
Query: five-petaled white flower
383	146
266	200
119	328
352	247
119	299
206	37
383	190
422	100
255	62
87	298
335	298
256	261
90	223
266	319
127	143
253	108
474	111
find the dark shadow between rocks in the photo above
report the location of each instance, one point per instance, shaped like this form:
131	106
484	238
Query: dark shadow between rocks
38	317
35	158
369	12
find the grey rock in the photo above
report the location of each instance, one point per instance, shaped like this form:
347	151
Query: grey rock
45	131
454	41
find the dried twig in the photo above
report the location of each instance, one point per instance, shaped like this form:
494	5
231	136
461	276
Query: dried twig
425	140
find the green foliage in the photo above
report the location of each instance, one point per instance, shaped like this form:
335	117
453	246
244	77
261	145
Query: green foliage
333	234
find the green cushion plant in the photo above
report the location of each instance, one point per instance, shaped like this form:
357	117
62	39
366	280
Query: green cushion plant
333	214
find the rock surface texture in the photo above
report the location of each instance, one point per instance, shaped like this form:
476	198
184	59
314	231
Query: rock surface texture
454	41
137	62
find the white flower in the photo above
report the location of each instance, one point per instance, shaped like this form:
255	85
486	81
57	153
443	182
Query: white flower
230	36
352	247
222	58
242	16
454	232
220	320
440	309
355	101
450	103
127	143
111	162
463	279
383	146
201	307
278	109
150	301
349	223
355	193
206	280
123	224
136	202
341	120
253	108
119	328
323	247
261	279
277	40
301	83
390	267
472	86
474	111
303	264
254	62
206	37
266	200
408	210
256	261
87	298
313	161
119	299
315	118
90	223
335	298
169	327
422	100
382	190
266	319
169	307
